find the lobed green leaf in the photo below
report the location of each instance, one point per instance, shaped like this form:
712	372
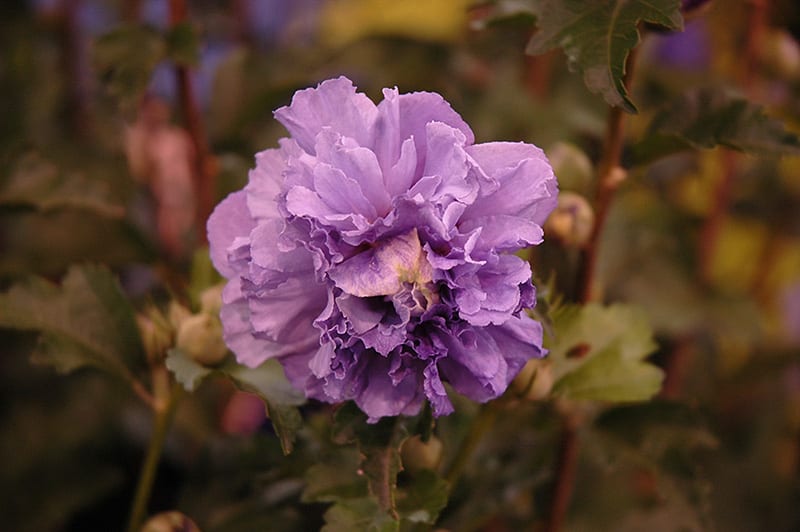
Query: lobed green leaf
706	118
597	36
599	353
86	321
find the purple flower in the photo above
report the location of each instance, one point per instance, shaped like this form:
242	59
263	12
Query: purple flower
372	253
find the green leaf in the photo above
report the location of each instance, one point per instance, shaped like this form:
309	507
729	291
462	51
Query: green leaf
125	59
183	44
656	427
379	444
287	421
362	514
266	380
187	372
87	321
335	477
281	398
38	184
381	465
705	118
424	498
597	35
598	354
504	11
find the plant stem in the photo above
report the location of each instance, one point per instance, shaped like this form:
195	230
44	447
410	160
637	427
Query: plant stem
164	411
481	423
203	162
75	68
610	177
567	467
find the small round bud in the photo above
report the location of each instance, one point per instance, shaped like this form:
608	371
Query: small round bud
211	299
418	455
535	381
572	221
170	522
571	166
780	53
200	337
176	313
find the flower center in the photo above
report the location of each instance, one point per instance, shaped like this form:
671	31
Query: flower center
386	268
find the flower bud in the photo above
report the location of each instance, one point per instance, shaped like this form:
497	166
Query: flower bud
170	522
571	166
418	455
572	221
211	299
535	381
176	313
780	53
200	337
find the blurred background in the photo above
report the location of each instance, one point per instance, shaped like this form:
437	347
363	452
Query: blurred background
122	123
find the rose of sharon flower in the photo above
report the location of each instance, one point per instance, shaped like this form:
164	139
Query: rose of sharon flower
372	253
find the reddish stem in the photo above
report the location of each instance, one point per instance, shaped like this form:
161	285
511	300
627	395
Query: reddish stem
610	174
204	162
567	465
74	68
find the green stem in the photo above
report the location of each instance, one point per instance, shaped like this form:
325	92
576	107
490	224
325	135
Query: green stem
164	412
481	423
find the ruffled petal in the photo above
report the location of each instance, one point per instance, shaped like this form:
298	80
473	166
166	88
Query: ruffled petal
333	103
230	220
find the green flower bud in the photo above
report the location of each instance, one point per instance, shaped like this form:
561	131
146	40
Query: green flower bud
572	221
572	167
200	337
418	455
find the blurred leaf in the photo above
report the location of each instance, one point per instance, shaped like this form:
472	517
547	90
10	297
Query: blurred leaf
658	442
183	44
335	477
125	59
424	498
187	372
87	321
269	382
38	184
48	243
358	514
657	426
705	118
504	10
598	354
286	420
597	35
